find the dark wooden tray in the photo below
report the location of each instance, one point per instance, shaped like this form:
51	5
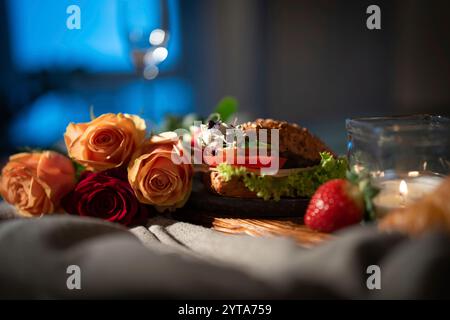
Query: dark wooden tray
201	200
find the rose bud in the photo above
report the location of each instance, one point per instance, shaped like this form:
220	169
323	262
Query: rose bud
106	142
35	182
106	195
155	178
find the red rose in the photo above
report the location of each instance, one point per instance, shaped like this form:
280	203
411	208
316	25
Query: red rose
106	195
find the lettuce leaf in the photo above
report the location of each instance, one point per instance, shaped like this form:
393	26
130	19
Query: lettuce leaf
299	184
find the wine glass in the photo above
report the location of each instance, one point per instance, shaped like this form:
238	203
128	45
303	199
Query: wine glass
146	24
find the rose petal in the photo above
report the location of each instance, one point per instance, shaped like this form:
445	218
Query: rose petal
106	142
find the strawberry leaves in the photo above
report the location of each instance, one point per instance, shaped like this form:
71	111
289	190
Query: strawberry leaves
367	189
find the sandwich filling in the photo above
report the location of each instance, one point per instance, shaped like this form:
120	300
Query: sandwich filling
287	183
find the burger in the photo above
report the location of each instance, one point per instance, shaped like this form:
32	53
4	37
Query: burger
303	161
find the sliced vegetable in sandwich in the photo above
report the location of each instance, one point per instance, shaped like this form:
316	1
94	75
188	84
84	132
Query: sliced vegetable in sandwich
237	168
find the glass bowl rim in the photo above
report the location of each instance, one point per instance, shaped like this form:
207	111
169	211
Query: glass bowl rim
375	125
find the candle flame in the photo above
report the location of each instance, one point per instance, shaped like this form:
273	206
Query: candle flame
403	188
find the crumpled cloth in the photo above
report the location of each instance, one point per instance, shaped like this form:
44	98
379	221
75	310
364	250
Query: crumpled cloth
171	259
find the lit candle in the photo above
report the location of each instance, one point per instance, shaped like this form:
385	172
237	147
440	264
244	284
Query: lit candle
398	193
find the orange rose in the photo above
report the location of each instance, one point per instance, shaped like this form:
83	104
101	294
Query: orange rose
35	182
155	178
106	142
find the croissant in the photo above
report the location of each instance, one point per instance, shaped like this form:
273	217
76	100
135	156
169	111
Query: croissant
430	212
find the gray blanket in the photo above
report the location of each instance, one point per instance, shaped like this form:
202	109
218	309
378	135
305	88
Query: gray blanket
170	259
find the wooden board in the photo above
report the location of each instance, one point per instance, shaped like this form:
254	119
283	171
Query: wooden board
286	227
203	201
281	227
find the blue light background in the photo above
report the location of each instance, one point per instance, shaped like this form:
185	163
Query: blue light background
40	41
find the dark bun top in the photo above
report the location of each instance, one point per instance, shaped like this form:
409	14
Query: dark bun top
297	144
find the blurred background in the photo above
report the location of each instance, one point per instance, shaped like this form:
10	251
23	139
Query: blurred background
313	62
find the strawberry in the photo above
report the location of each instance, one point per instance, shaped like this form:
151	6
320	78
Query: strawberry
336	204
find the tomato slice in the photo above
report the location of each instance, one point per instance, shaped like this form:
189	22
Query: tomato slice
251	161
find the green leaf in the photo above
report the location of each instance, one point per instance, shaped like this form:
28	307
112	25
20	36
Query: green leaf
300	184
352	176
226	108
78	169
365	185
173	122
369	192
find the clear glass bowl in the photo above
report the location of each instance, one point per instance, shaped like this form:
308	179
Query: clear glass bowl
400	146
